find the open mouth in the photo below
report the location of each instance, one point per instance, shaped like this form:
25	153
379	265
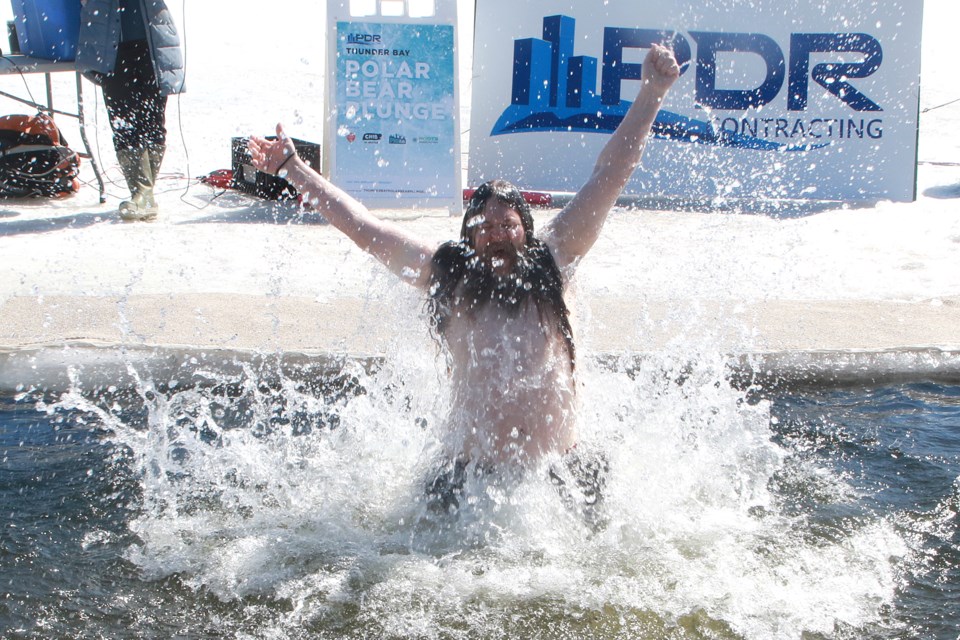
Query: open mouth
502	250
501	256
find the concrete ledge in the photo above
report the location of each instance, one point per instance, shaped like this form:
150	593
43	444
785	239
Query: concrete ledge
356	326
766	343
772	325
192	320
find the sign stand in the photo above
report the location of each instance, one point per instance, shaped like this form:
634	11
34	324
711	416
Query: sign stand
392	139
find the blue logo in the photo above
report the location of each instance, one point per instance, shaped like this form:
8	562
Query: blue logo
554	90
364	38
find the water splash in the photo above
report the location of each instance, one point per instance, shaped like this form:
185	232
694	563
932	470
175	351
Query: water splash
298	502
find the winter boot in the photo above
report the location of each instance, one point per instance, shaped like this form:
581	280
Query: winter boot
137	167
156	153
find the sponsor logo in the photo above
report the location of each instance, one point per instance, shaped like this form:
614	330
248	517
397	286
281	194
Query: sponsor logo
351	137
398	139
427	140
372	137
555	90
364	38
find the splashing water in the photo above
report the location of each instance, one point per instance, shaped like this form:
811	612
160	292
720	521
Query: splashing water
296	503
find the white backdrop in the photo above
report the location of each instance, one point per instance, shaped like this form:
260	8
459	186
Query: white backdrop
785	99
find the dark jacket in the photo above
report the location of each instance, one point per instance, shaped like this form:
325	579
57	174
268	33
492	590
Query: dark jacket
100	37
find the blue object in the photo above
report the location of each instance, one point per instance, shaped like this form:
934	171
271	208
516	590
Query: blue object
48	29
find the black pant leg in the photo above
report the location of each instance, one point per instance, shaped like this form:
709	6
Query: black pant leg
135	106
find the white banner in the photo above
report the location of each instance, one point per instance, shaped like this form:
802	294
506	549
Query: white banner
776	98
394	141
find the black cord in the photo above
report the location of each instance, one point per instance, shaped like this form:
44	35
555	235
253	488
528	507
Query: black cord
22	77
96	142
940	105
183	137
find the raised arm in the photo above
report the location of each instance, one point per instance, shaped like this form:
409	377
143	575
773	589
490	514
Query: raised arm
404	254
574	230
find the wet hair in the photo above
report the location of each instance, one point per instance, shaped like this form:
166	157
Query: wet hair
536	275
505	193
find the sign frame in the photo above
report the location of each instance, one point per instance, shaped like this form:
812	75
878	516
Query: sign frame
778	99
392	136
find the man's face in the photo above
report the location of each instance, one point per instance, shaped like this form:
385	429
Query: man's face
498	236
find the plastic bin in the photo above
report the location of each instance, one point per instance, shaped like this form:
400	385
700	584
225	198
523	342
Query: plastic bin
48	29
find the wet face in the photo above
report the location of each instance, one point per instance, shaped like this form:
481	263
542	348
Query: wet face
498	236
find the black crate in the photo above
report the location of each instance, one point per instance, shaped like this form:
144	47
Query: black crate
246	178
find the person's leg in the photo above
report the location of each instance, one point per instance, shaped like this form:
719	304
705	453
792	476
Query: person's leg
137	113
153	122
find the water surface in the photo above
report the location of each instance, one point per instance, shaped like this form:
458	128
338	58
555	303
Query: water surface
255	504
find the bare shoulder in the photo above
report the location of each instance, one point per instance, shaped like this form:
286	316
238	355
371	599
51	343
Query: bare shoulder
548	234
551	235
556	233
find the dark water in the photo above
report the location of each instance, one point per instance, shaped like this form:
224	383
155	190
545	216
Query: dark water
92	546
899	447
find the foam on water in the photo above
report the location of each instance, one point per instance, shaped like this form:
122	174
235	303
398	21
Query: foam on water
305	510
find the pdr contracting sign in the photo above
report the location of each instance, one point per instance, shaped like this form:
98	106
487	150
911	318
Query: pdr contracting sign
396	137
784	99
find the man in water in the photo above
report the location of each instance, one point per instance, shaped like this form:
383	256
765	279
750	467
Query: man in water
496	295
